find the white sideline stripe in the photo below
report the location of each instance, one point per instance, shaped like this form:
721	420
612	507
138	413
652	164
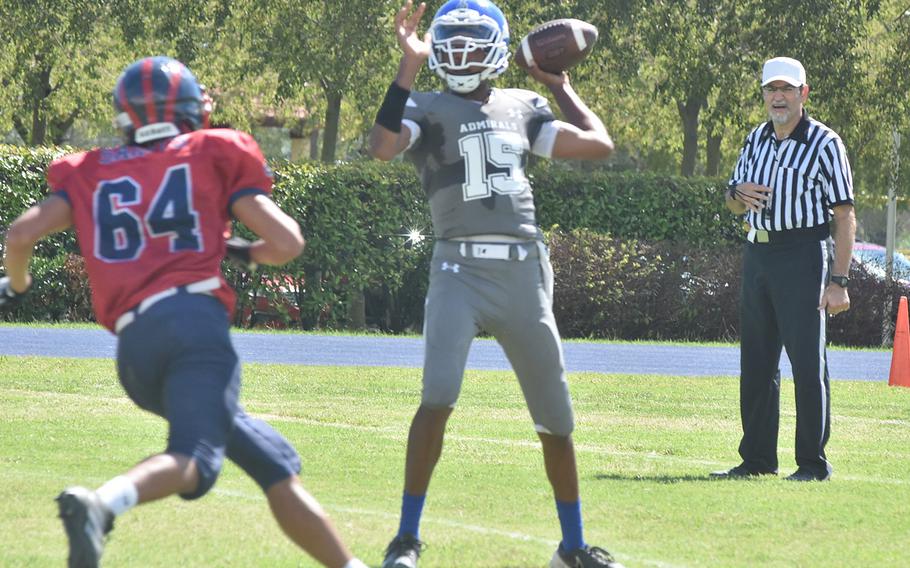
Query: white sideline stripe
589	448
266	416
533	444
486	531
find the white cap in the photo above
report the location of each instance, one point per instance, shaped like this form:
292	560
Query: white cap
783	69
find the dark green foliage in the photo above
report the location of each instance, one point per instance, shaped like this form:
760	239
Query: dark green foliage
629	289
608	287
354	217
59	291
634	205
861	325
635	256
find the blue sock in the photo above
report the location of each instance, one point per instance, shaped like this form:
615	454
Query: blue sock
411	509
570	522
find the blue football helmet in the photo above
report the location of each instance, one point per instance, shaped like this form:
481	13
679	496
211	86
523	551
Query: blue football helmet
460	28
158	97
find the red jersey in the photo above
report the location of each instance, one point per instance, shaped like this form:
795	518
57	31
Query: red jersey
148	219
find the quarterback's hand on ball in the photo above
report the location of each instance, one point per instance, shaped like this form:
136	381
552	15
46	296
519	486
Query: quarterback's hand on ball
238	251
8	296
550	80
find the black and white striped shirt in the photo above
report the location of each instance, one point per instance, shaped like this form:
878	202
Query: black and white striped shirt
808	172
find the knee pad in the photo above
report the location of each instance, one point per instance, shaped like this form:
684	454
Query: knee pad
260	451
208	466
440	392
560	428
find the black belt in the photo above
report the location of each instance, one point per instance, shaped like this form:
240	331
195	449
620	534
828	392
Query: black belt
806	234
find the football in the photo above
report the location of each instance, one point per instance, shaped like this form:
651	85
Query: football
556	45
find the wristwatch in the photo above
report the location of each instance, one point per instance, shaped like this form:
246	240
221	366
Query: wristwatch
841	281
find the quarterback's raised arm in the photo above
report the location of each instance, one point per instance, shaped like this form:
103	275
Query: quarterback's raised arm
586	138
389	137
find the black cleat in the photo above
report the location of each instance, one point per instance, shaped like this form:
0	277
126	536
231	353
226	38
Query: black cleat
403	552
802	474
585	557
740	472
86	521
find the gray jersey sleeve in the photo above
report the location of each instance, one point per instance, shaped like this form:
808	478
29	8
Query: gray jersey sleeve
415	117
540	112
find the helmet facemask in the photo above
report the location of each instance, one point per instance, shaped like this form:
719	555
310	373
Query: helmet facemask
456	37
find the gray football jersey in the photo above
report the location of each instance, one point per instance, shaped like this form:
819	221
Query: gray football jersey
471	158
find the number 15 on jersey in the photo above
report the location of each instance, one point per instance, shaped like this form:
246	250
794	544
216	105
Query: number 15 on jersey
502	150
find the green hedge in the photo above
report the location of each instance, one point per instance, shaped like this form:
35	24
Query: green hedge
635	256
354	216
59	292
635	205
630	289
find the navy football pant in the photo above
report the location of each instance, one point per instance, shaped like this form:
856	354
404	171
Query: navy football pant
177	361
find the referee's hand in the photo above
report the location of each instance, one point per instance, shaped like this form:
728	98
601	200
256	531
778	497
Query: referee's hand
835	300
752	195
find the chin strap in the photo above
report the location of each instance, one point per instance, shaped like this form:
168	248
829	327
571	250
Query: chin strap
463	83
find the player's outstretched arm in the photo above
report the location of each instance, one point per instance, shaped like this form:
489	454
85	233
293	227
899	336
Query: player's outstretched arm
50	216
588	138
280	240
389	137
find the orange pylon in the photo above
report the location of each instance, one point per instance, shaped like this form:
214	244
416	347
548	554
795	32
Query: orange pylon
900	356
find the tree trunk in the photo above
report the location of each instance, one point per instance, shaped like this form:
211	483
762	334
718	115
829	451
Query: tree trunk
357	307
314	144
357	311
20	129
688	112
712	154
41	90
39	125
60	128
330	135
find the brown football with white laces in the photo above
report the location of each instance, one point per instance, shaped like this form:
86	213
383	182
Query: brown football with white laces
556	45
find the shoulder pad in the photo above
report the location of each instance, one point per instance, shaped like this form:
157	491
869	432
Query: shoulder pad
530	98
421	99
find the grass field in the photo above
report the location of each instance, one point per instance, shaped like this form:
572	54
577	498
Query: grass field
645	446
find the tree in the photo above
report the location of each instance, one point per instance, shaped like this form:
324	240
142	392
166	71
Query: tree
701	52
57	65
61	58
339	46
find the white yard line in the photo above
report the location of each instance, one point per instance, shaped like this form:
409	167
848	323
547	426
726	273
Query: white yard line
401	431
434	520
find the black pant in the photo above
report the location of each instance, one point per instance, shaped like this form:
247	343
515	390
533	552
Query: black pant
781	289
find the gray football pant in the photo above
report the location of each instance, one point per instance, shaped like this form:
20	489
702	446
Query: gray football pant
511	300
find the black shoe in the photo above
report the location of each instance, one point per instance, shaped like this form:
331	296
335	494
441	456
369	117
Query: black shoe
403	552
740	472
585	557
86	521
803	474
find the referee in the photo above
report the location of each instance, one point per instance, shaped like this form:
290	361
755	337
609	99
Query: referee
791	177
